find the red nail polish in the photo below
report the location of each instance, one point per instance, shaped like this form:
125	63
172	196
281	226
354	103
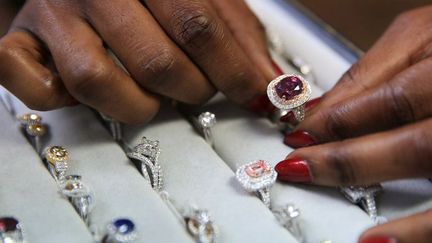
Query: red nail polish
261	105
294	170
278	71
289	117
312	103
299	139
379	239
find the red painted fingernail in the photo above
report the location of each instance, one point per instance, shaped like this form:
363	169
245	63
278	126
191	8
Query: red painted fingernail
289	117
278	71
261	105
294	170
299	139
312	103
379	239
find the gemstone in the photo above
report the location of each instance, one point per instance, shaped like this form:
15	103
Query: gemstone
8	224
257	169
36	129
56	154
289	87
123	226
147	147
207	119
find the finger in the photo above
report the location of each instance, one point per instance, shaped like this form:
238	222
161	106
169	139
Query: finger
148	54
402	100
395	154
416	228
403	44
90	75
248	32
196	28
22	72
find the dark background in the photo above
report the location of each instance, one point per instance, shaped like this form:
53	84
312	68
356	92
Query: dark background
360	21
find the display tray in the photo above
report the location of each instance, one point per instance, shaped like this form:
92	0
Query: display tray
194	172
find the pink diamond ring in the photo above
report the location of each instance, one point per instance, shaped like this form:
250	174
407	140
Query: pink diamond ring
258	177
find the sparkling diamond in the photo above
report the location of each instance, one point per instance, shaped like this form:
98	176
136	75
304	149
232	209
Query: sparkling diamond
148	147
289	87
207	119
257	169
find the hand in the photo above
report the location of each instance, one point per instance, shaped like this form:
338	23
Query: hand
416	228
375	125
55	53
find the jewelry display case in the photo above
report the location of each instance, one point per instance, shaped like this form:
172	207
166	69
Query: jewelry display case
195	174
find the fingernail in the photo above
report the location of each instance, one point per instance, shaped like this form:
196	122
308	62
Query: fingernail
299	139
379	239
278	71
294	170
312	103
261	105
289	117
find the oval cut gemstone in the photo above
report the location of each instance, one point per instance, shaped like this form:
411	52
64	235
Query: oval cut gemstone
289	87
257	169
8	224
123	226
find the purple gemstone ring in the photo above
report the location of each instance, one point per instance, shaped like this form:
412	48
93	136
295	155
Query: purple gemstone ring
289	92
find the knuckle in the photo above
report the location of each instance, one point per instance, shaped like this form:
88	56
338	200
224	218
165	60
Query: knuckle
351	76
400	105
87	77
421	142
342	165
154	68
194	27
336	123
242	85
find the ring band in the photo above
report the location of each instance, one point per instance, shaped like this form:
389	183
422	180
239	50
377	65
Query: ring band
206	121
147	153
364	196
57	158
115	127
79	195
289	217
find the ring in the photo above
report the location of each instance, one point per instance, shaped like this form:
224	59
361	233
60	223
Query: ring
57	158
364	196
258	177
79	195
199	224
114	126
34	129
29	118
121	230
147	152
206	121
289	217
10	230
290	92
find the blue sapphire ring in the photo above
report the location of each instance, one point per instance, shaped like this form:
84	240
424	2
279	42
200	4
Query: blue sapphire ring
121	230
